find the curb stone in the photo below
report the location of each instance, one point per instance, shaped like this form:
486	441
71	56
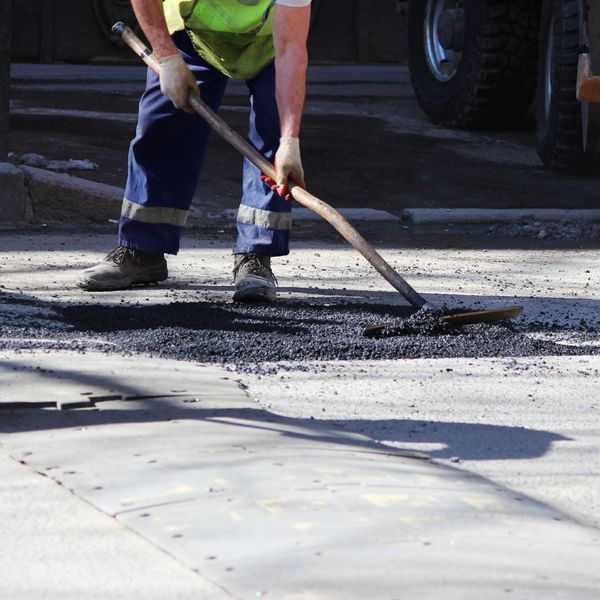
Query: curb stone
423	216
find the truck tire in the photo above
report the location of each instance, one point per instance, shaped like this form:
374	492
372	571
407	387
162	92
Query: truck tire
473	63
558	112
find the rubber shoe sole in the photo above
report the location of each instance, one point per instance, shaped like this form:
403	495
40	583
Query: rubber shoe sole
254	289
148	276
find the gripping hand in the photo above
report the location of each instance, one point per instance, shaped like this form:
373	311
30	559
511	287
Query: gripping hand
288	165
177	81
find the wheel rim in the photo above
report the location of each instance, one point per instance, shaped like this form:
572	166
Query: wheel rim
443	61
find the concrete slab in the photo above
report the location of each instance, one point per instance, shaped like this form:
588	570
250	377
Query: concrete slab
72	380
54	547
294	508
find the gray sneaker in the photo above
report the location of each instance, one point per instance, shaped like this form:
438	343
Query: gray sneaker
253	278
122	268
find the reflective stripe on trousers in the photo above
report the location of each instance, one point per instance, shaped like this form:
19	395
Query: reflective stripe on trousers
154	215
166	156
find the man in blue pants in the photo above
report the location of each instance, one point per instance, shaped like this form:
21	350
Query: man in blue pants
200	45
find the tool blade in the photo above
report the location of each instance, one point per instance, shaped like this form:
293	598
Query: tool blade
458	319
482	316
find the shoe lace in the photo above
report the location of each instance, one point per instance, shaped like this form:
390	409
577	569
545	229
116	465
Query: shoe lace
255	265
118	254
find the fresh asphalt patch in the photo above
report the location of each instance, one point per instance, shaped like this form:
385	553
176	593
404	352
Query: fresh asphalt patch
247	335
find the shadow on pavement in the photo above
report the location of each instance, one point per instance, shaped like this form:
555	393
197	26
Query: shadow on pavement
469	441
466	441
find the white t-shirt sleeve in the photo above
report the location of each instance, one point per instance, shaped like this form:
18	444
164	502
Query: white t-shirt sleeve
294	3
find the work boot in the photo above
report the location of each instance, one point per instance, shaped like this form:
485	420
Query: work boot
253	278
122	268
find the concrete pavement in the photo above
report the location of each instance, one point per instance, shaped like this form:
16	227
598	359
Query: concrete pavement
258	504
402	479
54	545
530	424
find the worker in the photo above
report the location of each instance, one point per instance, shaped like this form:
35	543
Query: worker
200	46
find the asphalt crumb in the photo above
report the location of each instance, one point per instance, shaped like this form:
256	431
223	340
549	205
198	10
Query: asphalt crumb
247	335
421	323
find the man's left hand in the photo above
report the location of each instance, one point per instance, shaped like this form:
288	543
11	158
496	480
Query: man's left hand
288	165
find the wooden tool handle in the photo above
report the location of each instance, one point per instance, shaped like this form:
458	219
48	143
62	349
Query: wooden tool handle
300	195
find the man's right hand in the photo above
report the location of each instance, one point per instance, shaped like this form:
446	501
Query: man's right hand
177	81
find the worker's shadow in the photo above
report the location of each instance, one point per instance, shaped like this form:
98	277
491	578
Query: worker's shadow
455	440
434	439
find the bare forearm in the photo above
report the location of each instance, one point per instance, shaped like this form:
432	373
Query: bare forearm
151	17
290	32
291	89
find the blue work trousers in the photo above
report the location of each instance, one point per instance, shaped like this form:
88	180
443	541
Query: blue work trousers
166	156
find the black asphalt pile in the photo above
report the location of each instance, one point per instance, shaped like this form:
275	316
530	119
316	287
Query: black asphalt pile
249	334
422	323
246	335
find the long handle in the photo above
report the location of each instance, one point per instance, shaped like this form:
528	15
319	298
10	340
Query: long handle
299	194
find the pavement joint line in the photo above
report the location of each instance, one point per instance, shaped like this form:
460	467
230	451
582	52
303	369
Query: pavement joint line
72	491
58	509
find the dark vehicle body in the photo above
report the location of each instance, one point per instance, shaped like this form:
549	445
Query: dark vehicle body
352	31
479	64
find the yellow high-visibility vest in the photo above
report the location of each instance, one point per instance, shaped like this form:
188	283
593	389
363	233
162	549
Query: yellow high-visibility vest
234	36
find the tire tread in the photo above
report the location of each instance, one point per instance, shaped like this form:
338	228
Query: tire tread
498	81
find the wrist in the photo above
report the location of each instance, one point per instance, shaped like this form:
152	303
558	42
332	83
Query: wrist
165	50
290	141
170	59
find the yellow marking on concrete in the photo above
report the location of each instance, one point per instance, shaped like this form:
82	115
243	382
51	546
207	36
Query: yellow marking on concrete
483	503
416	520
304	526
274	506
178	490
331	471
234	516
305	595
386	500
317	502
429	478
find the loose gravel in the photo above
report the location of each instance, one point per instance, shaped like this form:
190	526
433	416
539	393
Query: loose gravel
246	335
